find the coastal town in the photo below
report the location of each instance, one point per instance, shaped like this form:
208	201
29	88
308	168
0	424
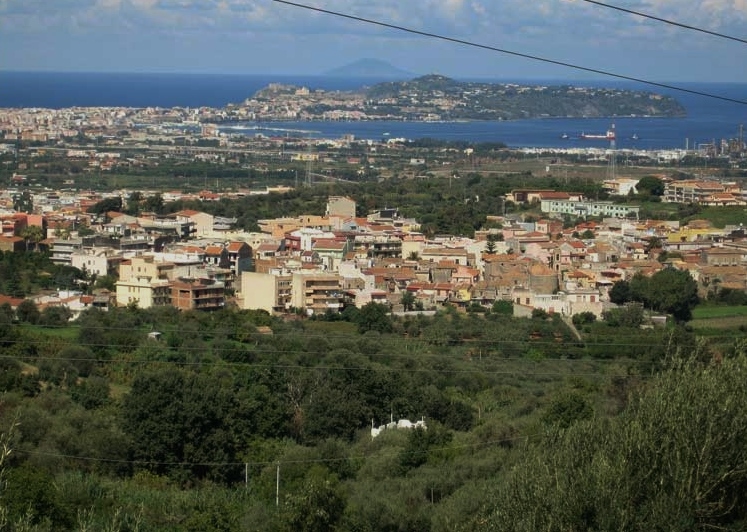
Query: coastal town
441	266
370	299
563	259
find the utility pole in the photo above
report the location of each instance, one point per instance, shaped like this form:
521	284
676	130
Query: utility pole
277	487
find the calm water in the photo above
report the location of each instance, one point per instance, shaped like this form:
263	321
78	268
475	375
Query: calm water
707	119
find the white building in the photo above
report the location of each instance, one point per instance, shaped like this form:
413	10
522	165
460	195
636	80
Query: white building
588	208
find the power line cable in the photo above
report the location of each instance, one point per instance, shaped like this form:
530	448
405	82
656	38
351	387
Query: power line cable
667	21
510	52
304	335
273	462
328	367
581	345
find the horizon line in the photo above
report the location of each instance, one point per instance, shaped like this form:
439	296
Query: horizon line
327	75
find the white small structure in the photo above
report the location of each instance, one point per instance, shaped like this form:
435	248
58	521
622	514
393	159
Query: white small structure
401	424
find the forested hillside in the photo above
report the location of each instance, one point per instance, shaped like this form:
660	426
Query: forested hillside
237	420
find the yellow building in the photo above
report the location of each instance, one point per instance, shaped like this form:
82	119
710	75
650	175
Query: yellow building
265	291
144	291
145	266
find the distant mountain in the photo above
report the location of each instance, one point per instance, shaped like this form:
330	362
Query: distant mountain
369	68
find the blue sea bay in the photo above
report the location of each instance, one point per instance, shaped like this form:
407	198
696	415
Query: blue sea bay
707	119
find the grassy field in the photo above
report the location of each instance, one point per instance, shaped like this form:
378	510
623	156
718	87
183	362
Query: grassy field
706	312
724	321
64	333
721	216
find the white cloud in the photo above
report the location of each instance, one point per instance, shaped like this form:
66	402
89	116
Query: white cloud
565	17
565	30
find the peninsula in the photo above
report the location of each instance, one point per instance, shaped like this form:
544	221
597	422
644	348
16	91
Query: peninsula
439	98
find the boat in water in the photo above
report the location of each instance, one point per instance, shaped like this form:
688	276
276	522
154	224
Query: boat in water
610	135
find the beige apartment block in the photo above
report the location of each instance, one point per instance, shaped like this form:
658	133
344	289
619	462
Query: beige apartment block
265	291
203	222
340	206
316	292
145	266
144	291
96	261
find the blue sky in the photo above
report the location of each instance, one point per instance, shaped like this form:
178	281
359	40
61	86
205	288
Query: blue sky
266	37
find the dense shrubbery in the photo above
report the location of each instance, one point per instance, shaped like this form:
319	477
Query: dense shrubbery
123	431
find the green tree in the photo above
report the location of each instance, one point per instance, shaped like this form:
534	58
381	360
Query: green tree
503	306
639	288
567	409
408	300
91	393
630	315
31	491
420	441
28	312
673	291
673	460
107	282
23	202
55	316
81	357
650	185
7	312
583	318
318	505
133	203
374	317
654	243
154	203
33	234
106	205
174	416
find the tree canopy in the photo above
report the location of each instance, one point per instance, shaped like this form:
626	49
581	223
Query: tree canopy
668	290
650	185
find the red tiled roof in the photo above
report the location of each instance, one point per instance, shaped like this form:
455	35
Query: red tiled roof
554	195
326	243
12	301
187	212
235	246
213	250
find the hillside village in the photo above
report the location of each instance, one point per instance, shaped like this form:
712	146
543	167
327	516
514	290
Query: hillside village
321	263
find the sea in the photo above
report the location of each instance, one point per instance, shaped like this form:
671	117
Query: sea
708	120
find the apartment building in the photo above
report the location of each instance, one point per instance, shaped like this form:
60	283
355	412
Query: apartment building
266	291
694	191
316	292
622	186
340	206
588	208
144	291
198	294
145	266
96	261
